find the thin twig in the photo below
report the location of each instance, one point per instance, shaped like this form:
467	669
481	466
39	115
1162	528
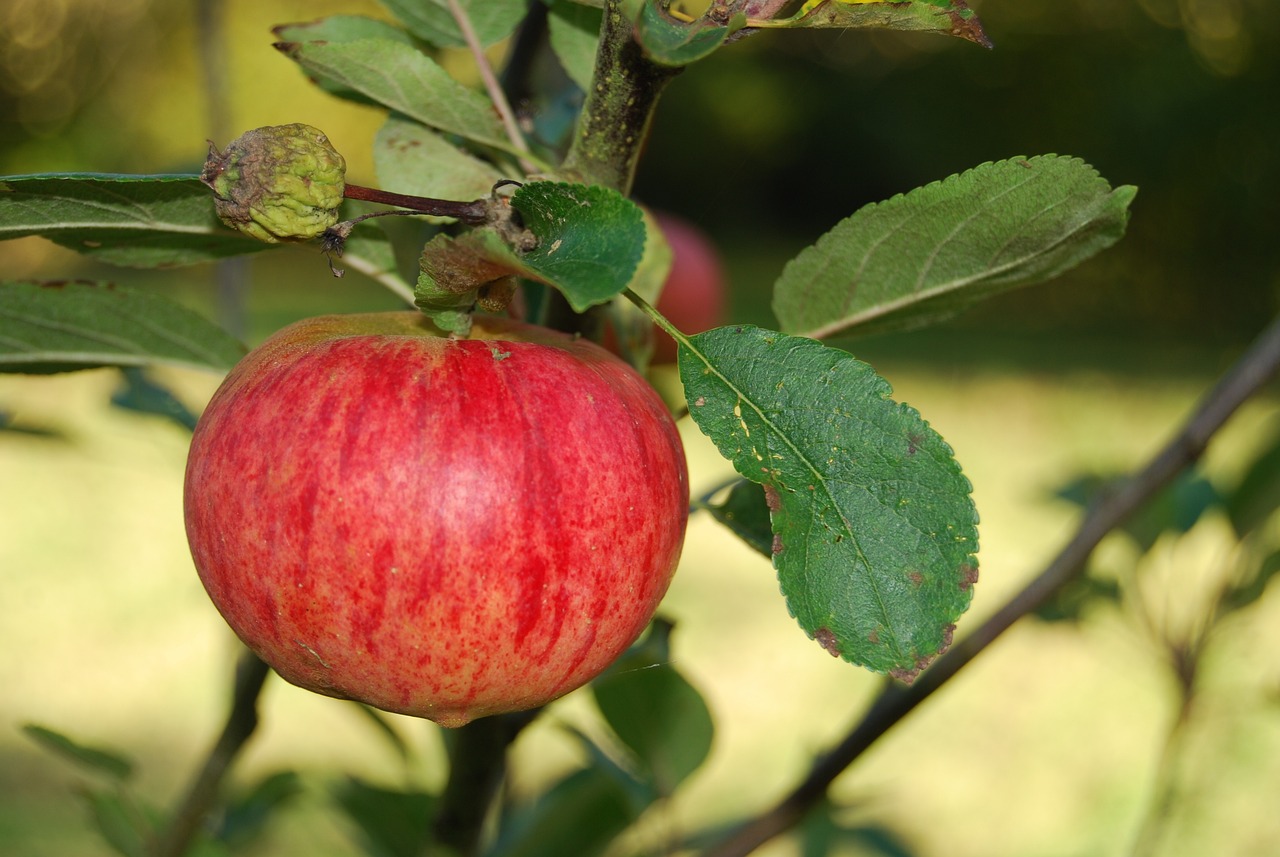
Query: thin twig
202	795
1258	365
491	85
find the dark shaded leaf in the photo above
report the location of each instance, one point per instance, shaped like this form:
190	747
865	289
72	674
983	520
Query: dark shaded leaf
1252	502
746	514
93	759
580	815
661	718
61	326
247	816
143	395
389	823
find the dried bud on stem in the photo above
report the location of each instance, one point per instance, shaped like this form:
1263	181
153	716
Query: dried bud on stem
278	183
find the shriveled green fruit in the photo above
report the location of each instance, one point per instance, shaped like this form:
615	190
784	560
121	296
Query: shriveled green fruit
440	527
278	183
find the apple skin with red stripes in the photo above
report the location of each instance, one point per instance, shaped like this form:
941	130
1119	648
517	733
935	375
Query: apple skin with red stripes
445	528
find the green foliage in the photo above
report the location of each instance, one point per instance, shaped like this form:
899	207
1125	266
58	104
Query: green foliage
922	257
952	17
140	221
401	77
388	822
57	326
92	759
874	529
431	20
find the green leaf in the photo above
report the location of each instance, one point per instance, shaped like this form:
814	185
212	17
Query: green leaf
661	718
93	759
581	815
590	239
143	395
952	17
1257	496
415	160
668	41
63	325
342	28
125	827
141	221
246	817
431	20
746	514
1176	509
574	32
389	823
925	256
590	242
874	528
405	79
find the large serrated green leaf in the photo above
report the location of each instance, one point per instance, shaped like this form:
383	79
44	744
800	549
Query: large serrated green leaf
875	533
141	221
924	256
411	158
432	21
403	78
63	325
952	17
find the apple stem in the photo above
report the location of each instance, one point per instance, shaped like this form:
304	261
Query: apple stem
477	766
474	212
190	815
659	319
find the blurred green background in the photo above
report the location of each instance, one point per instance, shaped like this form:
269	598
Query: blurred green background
1048	745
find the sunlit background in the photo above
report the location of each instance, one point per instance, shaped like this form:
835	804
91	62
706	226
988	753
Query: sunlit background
1050	744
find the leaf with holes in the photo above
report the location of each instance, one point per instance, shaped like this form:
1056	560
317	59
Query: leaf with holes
875	533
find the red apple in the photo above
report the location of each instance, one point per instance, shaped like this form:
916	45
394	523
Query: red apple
443	528
693	297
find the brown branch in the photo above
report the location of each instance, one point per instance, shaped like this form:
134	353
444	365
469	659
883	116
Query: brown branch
1253	370
176	839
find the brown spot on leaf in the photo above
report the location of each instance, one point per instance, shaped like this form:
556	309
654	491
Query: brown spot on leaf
915	577
700	401
777	544
968	577
828	641
913	443
948	637
874	637
772	499
904	675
